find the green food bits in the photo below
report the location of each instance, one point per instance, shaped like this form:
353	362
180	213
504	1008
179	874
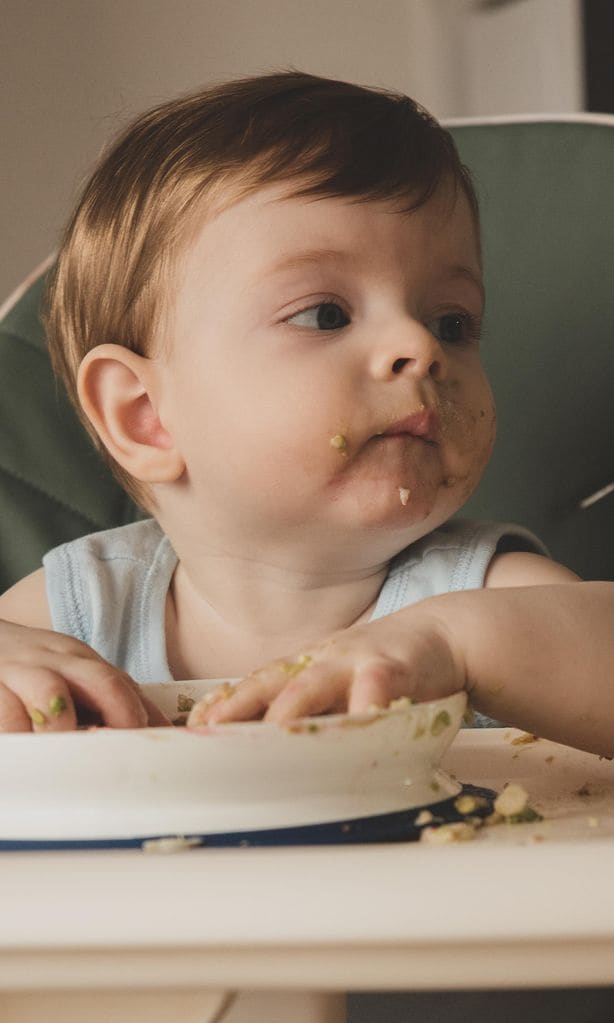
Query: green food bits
57	704
440	722
339	442
526	816
37	716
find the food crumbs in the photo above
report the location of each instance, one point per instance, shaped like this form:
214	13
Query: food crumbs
512	800
184	703
424	817
57	704
37	716
293	668
447	833
526	816
404	495
524	739
466	803
513	805
339	442
440	722
401	703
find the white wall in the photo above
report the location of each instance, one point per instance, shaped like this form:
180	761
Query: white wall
73	71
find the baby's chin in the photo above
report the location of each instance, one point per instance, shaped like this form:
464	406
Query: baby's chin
390	505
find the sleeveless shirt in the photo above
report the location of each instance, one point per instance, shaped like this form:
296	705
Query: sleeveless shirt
109	589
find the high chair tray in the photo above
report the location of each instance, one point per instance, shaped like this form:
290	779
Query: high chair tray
522	905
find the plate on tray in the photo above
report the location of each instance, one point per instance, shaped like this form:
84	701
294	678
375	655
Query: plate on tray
334	778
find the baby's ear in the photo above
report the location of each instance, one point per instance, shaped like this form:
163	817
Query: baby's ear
118	392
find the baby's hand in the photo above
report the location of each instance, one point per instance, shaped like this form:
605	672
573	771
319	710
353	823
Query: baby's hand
402	654
50	682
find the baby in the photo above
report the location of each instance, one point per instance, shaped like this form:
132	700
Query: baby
267	310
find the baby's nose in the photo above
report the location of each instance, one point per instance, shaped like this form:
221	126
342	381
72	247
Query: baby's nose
413	351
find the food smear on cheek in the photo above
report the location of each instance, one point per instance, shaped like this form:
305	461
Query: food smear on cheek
404	495
470	435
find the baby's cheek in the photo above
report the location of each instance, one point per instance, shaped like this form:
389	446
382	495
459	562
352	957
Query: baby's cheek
468	431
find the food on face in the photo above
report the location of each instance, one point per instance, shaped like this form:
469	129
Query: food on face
404	495
339	442
37	716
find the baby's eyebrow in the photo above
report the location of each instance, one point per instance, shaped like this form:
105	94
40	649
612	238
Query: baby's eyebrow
466	273
342	257
310	256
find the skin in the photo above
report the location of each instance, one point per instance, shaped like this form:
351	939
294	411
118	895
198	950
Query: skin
283	538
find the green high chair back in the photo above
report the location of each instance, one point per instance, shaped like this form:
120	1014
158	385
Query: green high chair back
547	210
547	204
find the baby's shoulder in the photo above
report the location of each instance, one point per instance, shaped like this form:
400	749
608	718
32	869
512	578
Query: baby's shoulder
136	541
25	603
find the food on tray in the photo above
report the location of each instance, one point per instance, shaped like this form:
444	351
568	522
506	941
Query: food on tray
524	739
467	804
447	833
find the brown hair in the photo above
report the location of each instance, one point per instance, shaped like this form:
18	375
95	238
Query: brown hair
332	137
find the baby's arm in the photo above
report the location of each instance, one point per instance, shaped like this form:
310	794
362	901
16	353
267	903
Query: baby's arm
535	649
48	679
540	658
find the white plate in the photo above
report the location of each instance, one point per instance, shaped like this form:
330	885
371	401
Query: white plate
245	776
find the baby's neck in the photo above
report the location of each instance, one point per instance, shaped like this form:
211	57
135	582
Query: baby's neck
225	617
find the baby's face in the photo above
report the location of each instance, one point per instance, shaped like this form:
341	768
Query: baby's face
324	370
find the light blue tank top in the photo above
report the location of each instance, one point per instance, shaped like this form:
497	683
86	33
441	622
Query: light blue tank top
109	589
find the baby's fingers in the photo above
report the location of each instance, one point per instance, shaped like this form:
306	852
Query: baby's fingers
320	689
36	700
111	694
376	682
247	701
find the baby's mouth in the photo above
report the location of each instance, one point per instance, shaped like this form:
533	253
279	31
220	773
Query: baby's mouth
422	424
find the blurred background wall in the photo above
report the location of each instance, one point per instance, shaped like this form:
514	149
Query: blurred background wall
72	72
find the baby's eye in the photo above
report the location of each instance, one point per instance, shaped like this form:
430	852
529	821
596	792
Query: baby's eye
323	316
455	328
